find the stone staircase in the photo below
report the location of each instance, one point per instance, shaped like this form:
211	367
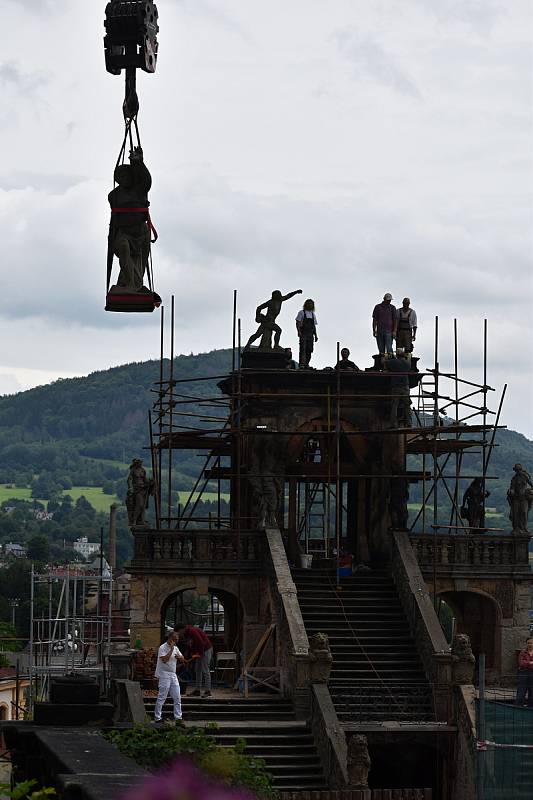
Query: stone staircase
271	731
377	675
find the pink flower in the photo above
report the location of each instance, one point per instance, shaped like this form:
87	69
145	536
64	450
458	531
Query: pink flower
182	781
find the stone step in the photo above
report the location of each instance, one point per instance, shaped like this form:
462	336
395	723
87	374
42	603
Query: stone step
228	714
383	661
270	730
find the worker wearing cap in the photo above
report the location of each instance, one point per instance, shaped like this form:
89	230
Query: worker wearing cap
384	324
406	326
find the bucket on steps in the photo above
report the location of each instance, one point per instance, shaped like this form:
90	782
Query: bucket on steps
306	559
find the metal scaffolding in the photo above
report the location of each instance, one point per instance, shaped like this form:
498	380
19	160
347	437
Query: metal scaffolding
452	419
70	626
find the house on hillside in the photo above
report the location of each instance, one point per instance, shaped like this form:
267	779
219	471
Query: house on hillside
86	548
14	550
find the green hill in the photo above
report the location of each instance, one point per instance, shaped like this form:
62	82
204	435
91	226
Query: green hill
82	432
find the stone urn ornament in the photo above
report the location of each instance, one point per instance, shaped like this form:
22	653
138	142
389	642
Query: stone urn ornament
463	660
320	658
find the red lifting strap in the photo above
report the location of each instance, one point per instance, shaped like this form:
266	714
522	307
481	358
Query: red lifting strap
139	211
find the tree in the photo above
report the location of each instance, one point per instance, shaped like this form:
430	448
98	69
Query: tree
38	548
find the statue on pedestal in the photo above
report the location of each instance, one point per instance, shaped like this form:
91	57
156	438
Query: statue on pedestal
472	508
140	487
267	322
520	497
266	468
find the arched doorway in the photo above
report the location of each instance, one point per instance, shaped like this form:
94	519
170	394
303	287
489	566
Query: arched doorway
479	616
216	612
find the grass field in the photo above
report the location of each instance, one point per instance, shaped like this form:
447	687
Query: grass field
94	494
207	496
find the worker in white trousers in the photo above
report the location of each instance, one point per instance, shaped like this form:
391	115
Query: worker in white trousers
167	657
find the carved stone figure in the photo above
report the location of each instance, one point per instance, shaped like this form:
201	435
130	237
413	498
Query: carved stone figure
320	658
463	659
520	497
399	497
473	507
266	481
359	762
267	322
129	231
140	487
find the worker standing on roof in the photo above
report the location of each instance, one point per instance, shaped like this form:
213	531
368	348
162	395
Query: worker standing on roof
406	323
306	323
384	324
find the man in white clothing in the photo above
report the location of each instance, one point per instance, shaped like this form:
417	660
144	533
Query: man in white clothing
167	657
406	326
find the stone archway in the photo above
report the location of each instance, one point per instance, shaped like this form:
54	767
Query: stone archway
216	610
478	615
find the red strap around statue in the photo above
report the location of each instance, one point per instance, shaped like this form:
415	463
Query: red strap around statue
139	211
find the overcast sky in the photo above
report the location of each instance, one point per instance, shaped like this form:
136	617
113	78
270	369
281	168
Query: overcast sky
345	148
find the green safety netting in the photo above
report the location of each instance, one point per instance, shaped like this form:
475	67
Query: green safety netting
507	771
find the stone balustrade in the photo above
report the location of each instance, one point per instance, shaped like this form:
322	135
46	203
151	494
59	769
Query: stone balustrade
493	553
225	550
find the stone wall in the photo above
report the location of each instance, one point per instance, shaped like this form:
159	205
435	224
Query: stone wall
150	592
509	601
463	778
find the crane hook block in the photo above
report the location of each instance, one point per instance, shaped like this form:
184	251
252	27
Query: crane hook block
131	35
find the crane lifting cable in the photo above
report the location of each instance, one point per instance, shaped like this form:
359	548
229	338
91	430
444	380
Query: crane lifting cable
130	43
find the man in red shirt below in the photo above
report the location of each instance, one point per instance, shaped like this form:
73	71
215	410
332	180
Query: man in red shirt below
525	675
201	649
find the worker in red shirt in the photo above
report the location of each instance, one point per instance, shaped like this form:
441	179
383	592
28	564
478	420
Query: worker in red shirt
525	675
201	650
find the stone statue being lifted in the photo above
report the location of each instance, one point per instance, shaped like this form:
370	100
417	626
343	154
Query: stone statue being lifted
520	497
359	762
140	487
267	322
129	231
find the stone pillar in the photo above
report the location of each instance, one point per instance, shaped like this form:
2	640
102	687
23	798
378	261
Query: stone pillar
113	536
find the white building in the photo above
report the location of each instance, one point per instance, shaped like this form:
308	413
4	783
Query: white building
86	548
14	549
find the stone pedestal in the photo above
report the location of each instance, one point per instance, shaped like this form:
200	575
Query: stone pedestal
256	358
120	664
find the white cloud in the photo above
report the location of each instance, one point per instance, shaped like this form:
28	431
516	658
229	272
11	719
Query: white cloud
371	61
344	149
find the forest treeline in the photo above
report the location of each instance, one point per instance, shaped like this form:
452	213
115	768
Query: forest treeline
84	432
